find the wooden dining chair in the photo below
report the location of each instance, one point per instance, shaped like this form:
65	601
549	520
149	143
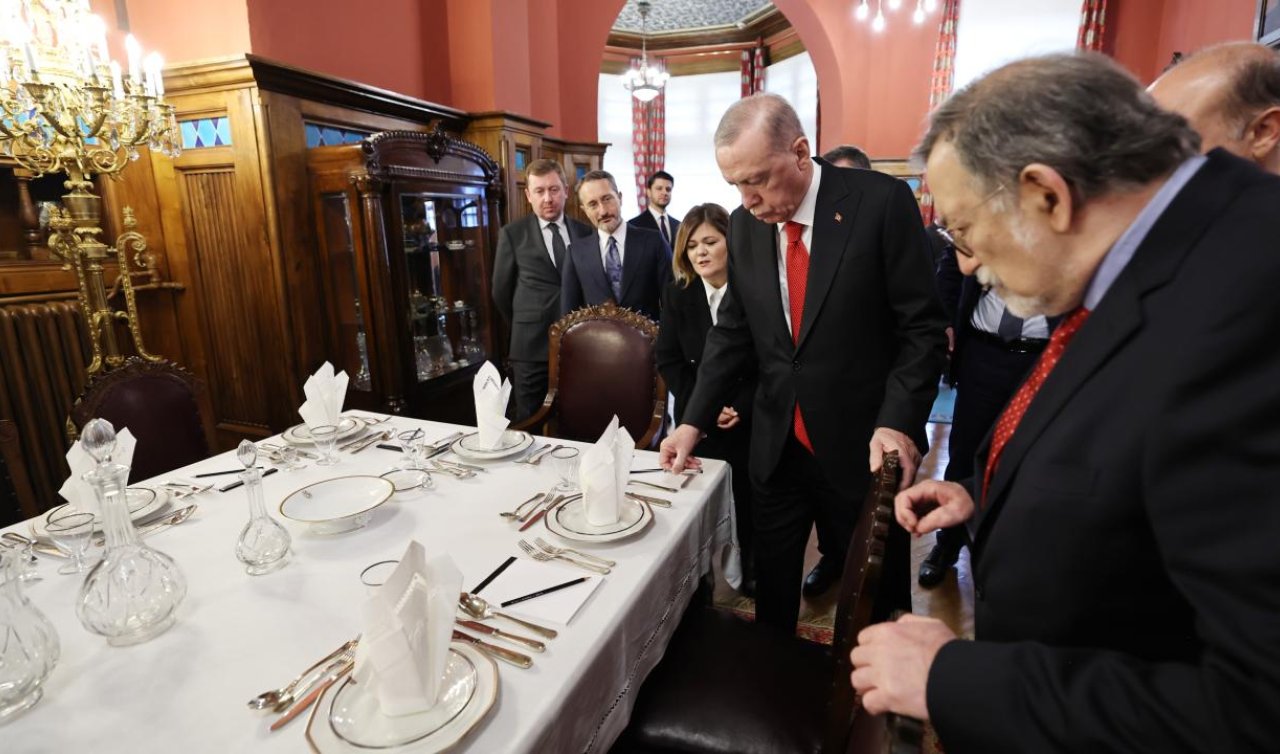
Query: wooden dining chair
160	403
17	500
602	362
727	685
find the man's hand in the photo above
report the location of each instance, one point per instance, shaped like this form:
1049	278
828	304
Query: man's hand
885	440
891	664
675	453
932	505
728	418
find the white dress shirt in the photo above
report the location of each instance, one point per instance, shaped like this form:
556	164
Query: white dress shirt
714	297
804	216
621	235
546	236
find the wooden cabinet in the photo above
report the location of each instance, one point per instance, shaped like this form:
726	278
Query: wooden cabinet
407	225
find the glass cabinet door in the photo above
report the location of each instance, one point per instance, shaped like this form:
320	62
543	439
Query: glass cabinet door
443	238
353	344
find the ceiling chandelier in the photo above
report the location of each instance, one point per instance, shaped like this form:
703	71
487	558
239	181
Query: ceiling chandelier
878	23
646	82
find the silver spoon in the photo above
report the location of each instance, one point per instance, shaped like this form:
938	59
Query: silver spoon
279	698
476	607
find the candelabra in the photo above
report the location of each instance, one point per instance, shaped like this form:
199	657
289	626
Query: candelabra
66	106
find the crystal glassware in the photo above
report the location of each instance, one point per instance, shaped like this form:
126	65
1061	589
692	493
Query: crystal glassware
411	445
71	530
564	464
326	438
132	594
29	645
288	458
263	545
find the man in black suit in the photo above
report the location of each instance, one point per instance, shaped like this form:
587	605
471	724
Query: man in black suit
993	350
656	217
830	289
526	279
1124	511
626	265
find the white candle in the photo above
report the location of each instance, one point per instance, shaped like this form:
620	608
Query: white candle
153	64
98	32
31	56
134	53
117	83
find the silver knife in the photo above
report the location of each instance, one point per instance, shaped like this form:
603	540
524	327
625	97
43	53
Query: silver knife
498	633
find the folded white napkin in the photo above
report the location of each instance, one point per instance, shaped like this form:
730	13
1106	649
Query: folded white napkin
603	474
76	490
408	623
492	393
325	393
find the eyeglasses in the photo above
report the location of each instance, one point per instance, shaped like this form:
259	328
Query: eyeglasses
951	236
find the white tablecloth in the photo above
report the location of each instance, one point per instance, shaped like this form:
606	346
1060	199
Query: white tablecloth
238	635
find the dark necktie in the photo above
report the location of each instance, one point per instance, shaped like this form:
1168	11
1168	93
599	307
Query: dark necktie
666	234
1010	327
1008	422
613	269
557	244
797	280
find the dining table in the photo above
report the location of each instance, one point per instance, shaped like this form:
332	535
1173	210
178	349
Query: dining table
236	635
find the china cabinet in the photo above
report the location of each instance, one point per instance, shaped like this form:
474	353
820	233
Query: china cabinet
407	228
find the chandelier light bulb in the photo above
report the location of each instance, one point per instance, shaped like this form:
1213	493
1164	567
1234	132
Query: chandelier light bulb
877	23
918	16
862	12
895	4
930	6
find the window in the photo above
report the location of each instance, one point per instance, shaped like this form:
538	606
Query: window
996	32
614	118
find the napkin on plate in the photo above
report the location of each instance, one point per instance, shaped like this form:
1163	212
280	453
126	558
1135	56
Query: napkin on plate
408	624
603	474
325	393
76	490
492	393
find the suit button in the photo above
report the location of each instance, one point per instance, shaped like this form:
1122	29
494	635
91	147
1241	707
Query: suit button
795	365
694	362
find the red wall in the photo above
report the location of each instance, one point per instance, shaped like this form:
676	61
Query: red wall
179	31
1144	34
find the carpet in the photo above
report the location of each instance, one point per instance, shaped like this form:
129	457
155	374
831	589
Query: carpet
817	626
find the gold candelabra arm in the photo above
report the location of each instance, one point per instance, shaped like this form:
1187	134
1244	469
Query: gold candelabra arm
132	240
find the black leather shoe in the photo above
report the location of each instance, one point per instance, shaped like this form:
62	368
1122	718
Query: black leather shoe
936	564
820	579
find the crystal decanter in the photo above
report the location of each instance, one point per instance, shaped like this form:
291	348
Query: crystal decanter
28	642
133	593
264	544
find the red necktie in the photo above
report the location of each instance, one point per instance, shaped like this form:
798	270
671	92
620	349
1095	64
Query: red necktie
1017	408
797	280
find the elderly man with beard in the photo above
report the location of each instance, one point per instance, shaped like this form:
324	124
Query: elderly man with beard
1124	509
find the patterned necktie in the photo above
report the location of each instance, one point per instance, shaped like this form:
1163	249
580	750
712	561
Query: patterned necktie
613	269
1008	422
557	245
666	234
797	280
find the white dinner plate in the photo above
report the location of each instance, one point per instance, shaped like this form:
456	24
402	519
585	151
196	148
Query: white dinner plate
570	521
299	434
144	502
337	505
346	717
513	442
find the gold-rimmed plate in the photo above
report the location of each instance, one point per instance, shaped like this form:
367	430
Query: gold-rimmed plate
570	522
512	442
346	718
337	505
300	434
143	502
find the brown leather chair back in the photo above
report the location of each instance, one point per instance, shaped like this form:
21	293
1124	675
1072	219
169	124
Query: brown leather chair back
159	403
602	362
17	501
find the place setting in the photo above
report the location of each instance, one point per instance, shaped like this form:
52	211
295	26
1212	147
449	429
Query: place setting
605	511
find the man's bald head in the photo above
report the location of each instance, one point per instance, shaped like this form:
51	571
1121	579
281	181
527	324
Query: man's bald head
768	112
1231	95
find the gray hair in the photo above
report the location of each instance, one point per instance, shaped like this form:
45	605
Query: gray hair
1255	83
597	175
1080	114
761	110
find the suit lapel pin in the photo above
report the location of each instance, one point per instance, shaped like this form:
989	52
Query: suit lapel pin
839	217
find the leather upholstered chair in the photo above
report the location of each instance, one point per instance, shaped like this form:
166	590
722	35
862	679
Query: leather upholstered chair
17	500
161	404
602	362
727	685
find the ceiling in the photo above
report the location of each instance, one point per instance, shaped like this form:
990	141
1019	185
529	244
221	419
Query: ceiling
673	16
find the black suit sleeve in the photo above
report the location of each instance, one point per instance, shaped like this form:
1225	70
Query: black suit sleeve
673	364
948	278
504	274
920	326
571	296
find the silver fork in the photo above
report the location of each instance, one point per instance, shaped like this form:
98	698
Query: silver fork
535	458
537	554
554	550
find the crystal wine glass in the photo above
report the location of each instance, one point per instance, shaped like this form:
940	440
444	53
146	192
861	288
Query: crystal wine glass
71	530
564	463
326	438
411	442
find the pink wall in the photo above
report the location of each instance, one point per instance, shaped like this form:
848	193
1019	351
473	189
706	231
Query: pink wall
179	31
1144	34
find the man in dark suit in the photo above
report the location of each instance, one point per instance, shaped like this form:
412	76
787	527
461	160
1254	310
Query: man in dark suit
1124	511
526	279
626	265
993	350
656	217
830	289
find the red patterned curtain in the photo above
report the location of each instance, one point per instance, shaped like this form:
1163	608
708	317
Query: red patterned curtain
753	70
648	135
1093	22
944	69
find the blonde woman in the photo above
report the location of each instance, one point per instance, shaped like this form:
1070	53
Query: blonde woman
700	263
